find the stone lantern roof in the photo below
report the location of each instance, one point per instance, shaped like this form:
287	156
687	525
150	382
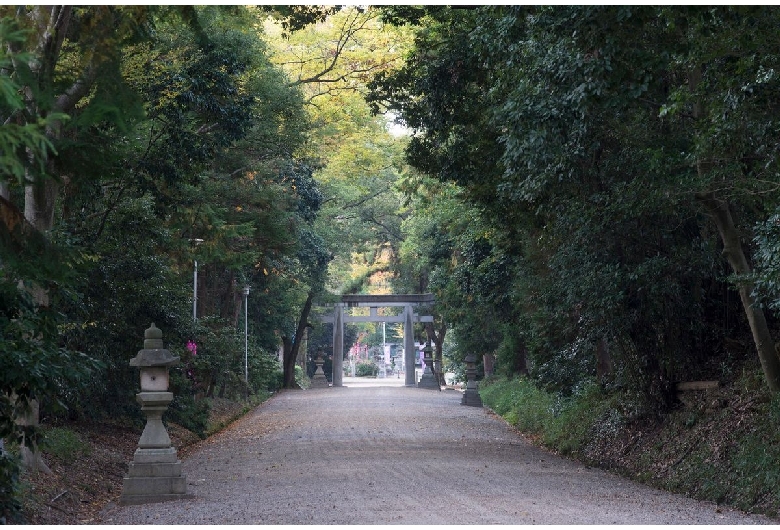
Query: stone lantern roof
153	353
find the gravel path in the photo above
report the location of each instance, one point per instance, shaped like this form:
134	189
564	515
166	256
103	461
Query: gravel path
371	454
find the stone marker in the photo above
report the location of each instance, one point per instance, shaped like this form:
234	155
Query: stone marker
155	472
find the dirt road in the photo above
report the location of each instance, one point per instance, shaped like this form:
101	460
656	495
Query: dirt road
367	453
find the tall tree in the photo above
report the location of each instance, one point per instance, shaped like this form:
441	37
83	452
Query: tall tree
67	50
580	147
56	69
331	61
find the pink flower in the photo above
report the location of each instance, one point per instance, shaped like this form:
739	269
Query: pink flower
192	347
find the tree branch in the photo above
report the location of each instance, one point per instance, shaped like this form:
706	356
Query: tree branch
348	29
390	232
68	100
367	198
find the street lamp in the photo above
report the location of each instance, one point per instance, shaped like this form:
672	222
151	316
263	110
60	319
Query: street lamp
246	336
195	284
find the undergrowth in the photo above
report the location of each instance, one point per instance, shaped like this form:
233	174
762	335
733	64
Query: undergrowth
562	424
722	447
63	443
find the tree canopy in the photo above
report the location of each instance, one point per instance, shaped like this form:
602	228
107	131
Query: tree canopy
597	145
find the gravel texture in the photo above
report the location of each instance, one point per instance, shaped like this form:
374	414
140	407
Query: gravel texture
376	452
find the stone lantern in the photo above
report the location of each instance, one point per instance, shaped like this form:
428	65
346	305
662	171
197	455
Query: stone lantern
155	472
428	379
319	380
471	395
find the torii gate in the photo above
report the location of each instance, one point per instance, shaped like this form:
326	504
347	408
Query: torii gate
374	301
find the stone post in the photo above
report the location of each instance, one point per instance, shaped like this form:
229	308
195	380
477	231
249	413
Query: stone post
155	472
338	346
410	352
428	379
319	380
471	395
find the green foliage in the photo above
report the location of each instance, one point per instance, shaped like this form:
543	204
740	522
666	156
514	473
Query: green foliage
25	146
198	135
265	374
366	369
735	467
570	171
205	158
588	413
63	443
519	402
358	161
301	379
295	18
196	106
10	505
565	424
35	364
755	477
767	274
185	409
126	284
723	455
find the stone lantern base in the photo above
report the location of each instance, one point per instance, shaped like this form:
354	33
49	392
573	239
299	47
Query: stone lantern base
155	473
319	380
428	380
471	398
471	395
154	476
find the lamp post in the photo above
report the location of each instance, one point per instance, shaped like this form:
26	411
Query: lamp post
246	336
195	284
195	293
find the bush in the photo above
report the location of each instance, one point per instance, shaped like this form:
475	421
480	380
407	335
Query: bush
519	402
10	506
265	375
366	369
742	470
579	418
565	424
185	410
300	377
725	455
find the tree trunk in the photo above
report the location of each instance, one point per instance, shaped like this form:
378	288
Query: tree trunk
521	359
40	196
288	363
51	25
720	211
291	346
14	230
438	356
603	360
39	202
31	455
732	249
